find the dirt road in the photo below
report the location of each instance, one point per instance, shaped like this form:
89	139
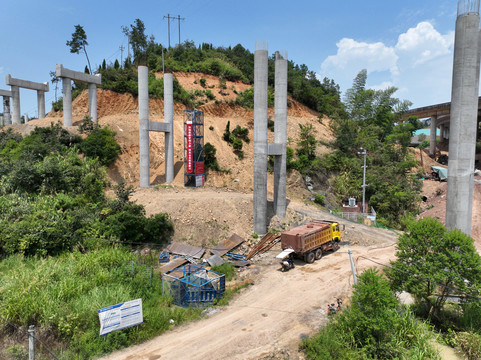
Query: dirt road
268	318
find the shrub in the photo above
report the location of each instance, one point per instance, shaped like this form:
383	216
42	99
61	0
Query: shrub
209	95
227	135
202	82
210	160
237	144
320	199
241	133
240	154
227	269
101	144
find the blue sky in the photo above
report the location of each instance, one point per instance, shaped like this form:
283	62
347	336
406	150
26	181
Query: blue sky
407	44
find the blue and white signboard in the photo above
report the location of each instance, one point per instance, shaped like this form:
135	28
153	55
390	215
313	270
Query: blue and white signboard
120	316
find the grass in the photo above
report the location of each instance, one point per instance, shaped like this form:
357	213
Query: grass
61	296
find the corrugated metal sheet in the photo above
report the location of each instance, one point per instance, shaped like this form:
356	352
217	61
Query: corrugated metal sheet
172	265
215	260
187	250
227	245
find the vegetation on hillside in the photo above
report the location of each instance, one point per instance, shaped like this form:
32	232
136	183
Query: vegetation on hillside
60	256
432	263
52	199
228	63
372	122
375	326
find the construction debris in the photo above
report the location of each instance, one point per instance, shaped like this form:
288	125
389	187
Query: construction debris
234	256
240	263
215	260
186	250
265	244
172	265
228	244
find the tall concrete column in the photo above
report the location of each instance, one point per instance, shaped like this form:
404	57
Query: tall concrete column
67	101
93	102
144	126
432	135
280	134
169	118
16	105
41	104
260	138
6	110
464	109
441	134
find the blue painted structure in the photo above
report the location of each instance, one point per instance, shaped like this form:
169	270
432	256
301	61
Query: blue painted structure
193	286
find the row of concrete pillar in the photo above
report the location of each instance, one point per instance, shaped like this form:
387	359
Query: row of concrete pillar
145	126
262	149
14	94
41	88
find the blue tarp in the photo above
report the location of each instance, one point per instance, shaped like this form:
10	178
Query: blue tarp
442	172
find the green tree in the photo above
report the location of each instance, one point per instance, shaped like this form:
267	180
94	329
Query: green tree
307	142
116	64
101	144
138	40
432	261
79	43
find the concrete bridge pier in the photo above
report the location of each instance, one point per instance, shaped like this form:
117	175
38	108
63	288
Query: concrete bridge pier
144	155
169	119
464	113
432	135
280	134
7	120
16	118
260	137
67	76
41	104
15	85
67	101
93	102
145	126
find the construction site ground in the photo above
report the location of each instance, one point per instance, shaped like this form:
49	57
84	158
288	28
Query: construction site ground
268	319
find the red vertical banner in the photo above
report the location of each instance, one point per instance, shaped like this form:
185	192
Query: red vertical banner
189	147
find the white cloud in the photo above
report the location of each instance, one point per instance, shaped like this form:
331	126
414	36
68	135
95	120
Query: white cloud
419	64
424	43
362	55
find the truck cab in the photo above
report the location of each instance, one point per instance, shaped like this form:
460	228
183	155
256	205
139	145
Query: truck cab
336	232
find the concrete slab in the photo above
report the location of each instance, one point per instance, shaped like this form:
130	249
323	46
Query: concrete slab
9	80
62	72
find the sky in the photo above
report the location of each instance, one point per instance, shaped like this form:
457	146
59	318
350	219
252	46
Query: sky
407	44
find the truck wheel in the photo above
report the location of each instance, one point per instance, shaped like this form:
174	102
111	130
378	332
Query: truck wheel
310	257
318	254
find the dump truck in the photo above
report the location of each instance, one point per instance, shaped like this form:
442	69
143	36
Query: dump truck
311	240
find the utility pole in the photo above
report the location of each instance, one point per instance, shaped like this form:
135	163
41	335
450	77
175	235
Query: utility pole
31	342
364	152
168	25
353	269
178	19
121	47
